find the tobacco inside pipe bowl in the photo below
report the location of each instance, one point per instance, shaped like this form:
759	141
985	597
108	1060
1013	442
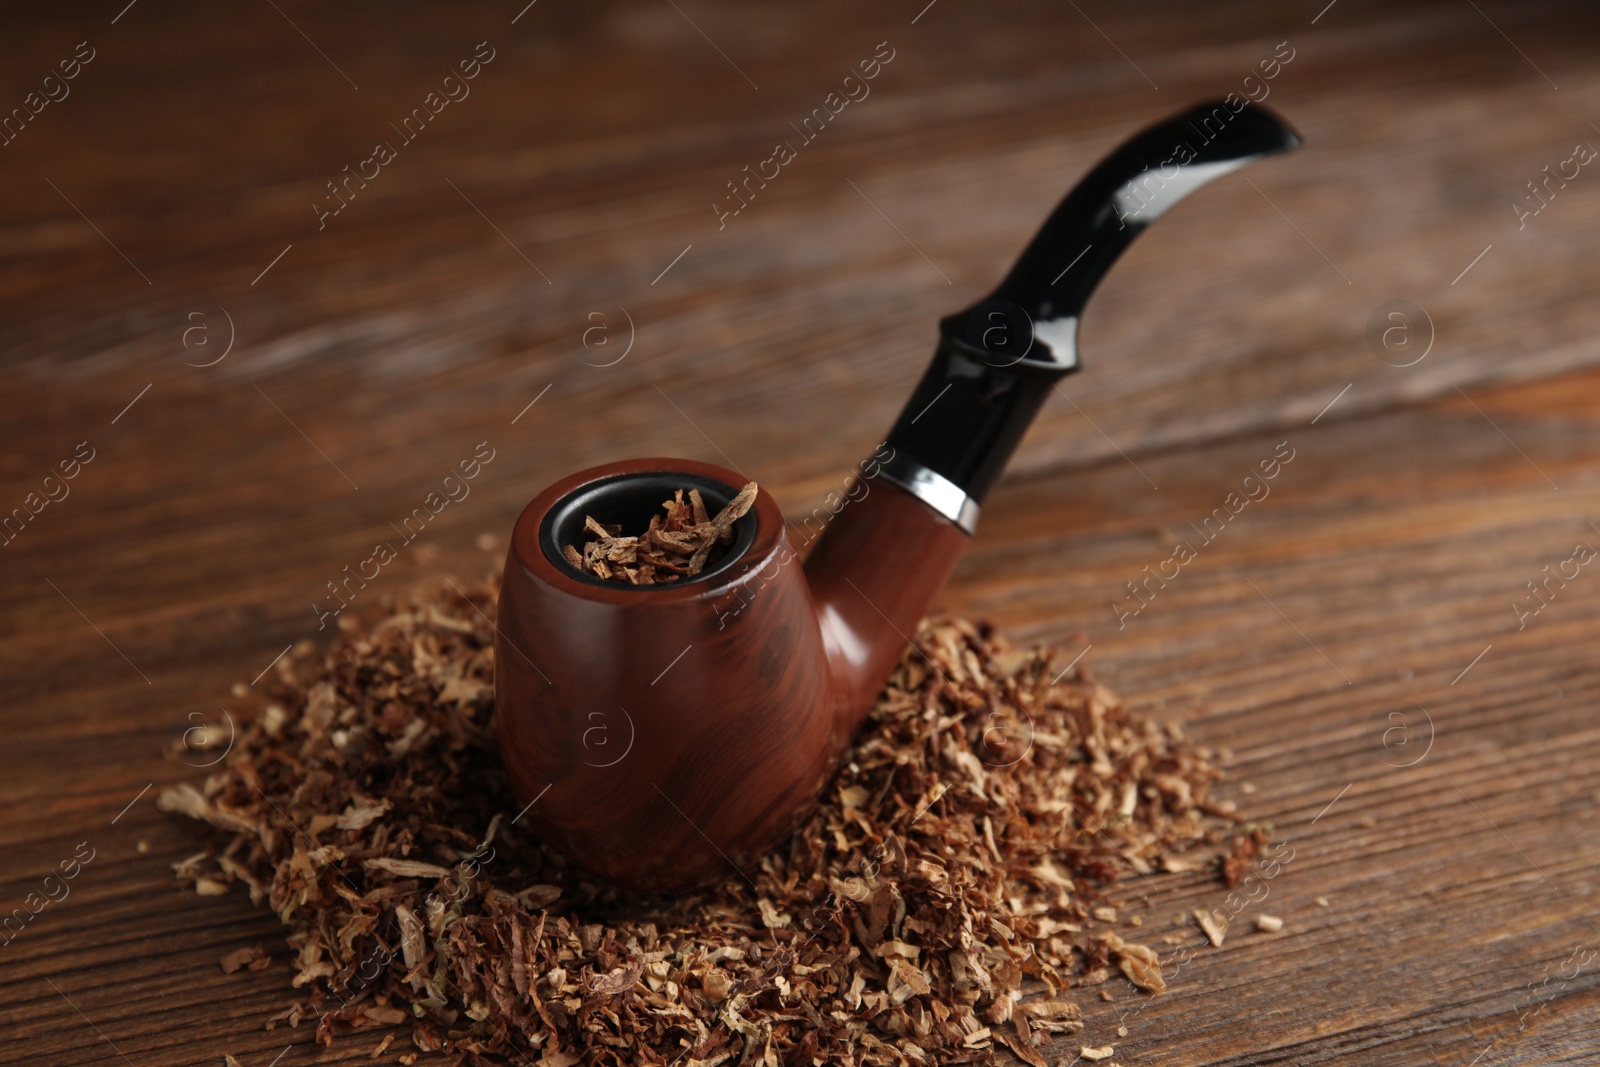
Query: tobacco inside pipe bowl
726	698
629	501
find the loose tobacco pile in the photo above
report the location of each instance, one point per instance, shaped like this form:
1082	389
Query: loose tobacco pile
677	544
953	865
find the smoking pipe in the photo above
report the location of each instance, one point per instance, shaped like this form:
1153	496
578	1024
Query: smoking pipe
660	735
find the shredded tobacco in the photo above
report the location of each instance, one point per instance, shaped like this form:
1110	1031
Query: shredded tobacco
955	863
1242	853
676	545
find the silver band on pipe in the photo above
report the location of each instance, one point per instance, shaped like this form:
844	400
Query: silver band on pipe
934	490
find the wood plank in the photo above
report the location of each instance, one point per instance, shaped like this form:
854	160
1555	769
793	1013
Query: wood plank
1439	912
1386	558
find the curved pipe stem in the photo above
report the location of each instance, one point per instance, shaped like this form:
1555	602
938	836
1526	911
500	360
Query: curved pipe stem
1127	191
884	558
997	361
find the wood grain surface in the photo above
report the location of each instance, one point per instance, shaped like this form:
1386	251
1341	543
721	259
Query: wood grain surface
1350	641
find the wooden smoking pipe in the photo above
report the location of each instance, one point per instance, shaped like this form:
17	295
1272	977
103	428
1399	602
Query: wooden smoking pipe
661	735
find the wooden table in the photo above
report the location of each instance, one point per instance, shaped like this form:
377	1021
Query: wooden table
1351	640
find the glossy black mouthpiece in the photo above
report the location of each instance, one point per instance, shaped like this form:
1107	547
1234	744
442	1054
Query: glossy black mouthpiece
998	360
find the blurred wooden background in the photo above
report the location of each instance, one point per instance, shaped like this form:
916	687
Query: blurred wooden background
165	204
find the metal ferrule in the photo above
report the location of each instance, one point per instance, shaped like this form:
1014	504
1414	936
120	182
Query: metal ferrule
934	490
